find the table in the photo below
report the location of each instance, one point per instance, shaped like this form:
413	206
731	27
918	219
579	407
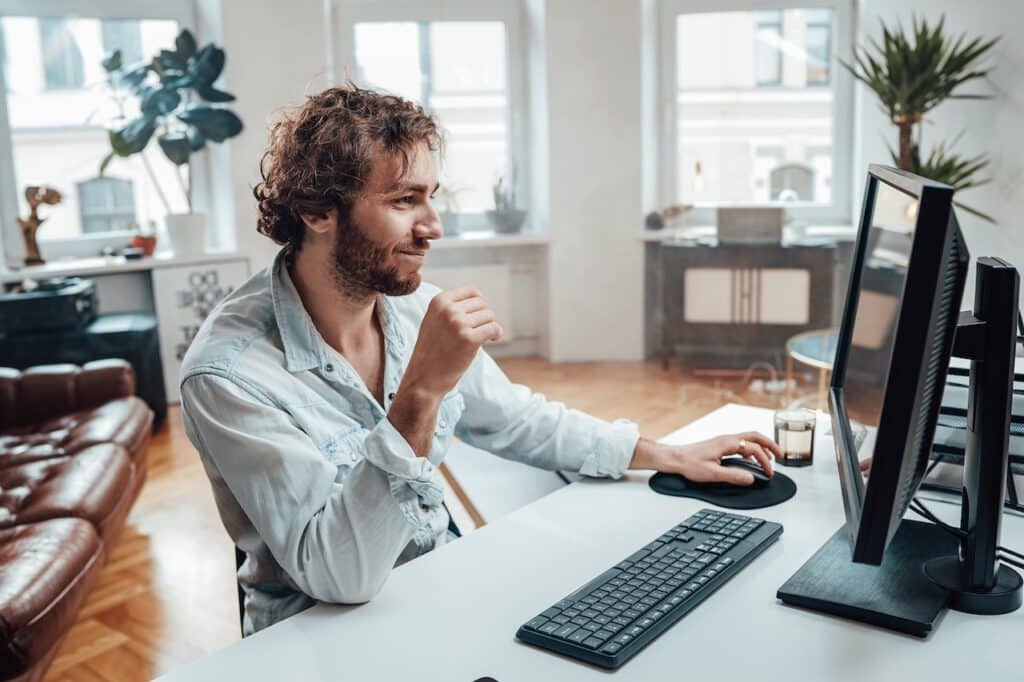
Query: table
816	348
453	614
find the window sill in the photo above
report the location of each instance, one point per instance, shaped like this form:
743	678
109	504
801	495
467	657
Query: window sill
489	239
108	265
694	233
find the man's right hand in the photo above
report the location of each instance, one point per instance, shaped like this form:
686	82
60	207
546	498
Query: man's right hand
457	323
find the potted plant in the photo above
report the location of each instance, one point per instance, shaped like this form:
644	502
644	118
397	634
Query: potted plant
178	104
912	74
505	217
448	197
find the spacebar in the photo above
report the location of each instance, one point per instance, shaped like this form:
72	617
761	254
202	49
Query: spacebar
593	584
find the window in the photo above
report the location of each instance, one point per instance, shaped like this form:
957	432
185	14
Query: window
56	111
107	204
758	117
819	46
458	64
769	42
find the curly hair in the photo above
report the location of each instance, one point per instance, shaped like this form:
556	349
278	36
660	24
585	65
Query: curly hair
321	153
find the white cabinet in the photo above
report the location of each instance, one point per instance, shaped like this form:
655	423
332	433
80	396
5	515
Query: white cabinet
183	296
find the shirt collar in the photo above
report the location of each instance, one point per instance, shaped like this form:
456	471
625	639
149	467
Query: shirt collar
303	345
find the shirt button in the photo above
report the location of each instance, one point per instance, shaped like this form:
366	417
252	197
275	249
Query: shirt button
443	424
353	456
328	367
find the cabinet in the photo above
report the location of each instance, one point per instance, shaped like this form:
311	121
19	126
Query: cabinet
728	305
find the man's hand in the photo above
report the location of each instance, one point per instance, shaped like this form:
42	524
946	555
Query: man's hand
456	324
702	462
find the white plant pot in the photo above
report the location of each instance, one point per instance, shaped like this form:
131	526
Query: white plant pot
186	233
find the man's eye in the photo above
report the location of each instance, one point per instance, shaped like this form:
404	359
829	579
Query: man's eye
407	199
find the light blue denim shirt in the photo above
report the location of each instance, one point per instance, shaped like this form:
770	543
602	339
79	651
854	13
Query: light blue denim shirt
312	481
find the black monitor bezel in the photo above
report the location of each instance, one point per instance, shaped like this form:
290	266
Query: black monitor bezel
872	517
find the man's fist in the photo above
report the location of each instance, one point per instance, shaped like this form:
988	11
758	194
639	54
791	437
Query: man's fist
456	324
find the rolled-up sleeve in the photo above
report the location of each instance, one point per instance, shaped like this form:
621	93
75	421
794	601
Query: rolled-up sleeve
515	423
338	542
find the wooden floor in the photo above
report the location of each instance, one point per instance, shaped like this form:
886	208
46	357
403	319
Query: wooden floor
167	595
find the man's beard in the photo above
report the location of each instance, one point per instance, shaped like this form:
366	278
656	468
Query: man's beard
357	265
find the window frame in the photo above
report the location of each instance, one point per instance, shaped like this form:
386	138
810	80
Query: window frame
352	12
84	245
839	211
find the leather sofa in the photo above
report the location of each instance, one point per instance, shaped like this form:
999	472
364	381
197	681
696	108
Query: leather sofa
73	449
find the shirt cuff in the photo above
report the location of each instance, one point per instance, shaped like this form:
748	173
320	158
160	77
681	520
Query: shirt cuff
611	450
414	481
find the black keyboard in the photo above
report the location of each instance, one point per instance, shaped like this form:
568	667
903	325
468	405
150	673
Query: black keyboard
624	609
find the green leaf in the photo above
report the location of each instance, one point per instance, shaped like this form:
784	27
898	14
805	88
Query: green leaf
159	101
176	147
212	94
166	60
112	62
132	77
185	44
196	139
133	137
215	124
206	66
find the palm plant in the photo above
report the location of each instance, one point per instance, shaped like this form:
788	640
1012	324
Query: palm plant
912	73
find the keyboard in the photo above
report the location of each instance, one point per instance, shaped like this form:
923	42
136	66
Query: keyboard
615	615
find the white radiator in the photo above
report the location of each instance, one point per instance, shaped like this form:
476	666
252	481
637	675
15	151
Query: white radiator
493	281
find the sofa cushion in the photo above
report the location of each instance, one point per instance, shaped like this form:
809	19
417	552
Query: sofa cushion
126	422
47	569
95	485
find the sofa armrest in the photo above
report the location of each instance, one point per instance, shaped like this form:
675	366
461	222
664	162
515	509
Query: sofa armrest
47	391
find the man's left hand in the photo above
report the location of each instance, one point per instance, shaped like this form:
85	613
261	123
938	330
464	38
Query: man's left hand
702	462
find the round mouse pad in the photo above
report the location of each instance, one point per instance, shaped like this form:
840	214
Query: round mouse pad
778	490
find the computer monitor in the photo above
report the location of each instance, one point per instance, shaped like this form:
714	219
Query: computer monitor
900	327
906	282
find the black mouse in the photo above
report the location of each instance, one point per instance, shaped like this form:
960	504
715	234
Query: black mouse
761	479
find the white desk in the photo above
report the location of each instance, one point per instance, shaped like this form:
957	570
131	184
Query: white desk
453	614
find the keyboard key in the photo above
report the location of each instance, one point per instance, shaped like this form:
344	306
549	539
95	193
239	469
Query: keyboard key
564	631
611	649
536	623
579	635
552	612
593	642
549	628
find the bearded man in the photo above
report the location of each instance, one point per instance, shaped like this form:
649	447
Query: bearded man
324	392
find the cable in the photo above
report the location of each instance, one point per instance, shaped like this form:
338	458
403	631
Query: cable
918	507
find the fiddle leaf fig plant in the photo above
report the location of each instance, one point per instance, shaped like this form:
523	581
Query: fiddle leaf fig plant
177	103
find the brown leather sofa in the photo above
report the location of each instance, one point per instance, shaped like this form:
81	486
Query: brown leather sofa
73	444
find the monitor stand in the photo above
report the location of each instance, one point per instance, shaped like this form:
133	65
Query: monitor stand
925	568
893	595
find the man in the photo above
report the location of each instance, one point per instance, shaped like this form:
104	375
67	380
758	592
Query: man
323	393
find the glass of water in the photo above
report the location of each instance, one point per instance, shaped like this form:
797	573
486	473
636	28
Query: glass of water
794	432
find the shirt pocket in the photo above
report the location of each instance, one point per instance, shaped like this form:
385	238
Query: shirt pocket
344	449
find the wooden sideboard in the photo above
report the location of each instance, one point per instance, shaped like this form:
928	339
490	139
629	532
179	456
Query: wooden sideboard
728	305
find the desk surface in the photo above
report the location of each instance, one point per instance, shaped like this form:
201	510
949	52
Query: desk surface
453	614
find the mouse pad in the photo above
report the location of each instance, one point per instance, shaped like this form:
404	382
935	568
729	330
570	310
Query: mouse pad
778	490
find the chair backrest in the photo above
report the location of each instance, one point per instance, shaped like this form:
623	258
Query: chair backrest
239	560
792	182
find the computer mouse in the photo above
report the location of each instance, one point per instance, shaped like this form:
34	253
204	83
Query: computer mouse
761	479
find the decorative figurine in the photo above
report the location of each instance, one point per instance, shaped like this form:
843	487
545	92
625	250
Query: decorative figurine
35	196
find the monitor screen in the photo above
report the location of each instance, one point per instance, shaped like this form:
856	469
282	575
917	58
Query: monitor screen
887	255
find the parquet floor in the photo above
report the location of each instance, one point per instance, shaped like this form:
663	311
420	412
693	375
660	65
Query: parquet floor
167	595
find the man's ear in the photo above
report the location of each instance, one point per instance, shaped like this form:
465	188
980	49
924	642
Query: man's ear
321	223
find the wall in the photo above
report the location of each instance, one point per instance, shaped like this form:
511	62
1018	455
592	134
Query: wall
994	127
594	175
276	54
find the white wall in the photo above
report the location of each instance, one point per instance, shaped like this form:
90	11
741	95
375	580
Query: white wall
276	54
594	175
994	127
